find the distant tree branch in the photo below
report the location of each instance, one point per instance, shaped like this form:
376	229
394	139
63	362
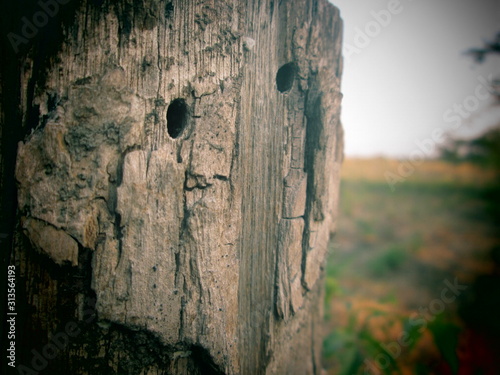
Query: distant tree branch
490	47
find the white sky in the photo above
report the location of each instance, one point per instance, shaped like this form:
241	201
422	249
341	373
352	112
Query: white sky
397	89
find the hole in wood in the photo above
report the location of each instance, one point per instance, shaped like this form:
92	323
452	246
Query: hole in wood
177	117
285	77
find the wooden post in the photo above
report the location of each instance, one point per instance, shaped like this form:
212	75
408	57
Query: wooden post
177	180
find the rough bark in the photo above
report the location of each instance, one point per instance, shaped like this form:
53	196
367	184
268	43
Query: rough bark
177	186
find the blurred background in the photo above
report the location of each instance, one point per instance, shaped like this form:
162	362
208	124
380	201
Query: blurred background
413	277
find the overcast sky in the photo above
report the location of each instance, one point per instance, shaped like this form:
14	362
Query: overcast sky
405	74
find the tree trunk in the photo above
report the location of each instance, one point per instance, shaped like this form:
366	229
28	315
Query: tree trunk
177	179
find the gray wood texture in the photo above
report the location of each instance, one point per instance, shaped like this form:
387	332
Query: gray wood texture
181	182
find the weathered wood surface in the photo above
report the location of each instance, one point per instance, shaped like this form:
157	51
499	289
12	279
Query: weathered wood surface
180	187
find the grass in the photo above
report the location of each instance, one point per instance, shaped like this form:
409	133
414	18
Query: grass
389	261
391	255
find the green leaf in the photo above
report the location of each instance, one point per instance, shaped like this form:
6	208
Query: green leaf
446	336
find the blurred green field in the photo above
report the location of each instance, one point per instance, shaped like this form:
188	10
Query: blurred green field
390	260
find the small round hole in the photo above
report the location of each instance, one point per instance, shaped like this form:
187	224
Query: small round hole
177	117
285	77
